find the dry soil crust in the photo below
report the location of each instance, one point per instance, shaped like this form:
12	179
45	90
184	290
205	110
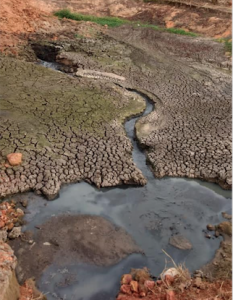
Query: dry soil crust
67	129
189	132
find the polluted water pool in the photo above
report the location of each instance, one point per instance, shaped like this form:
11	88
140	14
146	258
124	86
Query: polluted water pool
151	215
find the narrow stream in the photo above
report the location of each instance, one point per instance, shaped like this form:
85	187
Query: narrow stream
150	214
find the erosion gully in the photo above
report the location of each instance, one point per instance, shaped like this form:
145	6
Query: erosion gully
150	214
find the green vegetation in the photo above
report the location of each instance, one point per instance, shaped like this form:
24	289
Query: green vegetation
228	44
171	30
110	21
114	22
180	31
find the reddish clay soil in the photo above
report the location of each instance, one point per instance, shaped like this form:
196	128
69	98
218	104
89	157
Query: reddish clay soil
20	19
138	284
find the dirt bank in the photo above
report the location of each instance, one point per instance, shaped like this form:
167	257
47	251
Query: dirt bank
22	18
198	16
68	239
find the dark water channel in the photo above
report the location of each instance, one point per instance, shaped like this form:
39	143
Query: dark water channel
150	214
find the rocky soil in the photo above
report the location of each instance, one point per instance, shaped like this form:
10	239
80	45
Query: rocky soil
10	220
139	285
212	282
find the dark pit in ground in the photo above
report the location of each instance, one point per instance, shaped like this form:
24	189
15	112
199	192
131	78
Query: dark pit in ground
150	214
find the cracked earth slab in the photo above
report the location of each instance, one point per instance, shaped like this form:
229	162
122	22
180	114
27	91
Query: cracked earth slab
189	132
67	130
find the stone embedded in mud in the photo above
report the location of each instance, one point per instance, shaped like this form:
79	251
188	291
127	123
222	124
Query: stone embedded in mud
24	202
225	228
226	216
3	235
180	242
210	227
14	159
20	212
15	232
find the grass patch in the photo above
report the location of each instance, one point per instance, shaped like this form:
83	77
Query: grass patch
110	21
115	22
228	44
181	31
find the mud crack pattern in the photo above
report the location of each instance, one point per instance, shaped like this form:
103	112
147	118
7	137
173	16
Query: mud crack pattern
67	130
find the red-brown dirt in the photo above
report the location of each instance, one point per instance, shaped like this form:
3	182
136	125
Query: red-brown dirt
20	19
141	286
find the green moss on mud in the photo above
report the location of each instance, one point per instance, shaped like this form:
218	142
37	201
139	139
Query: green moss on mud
38	105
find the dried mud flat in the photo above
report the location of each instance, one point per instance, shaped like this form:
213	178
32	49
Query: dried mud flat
70	129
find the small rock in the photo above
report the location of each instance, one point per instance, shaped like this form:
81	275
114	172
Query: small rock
20	212
126	279
216	234
46	244
14	159
226	216
10	226
30	242
134	286
180	242
210	227
3	235
198	282
24	203
198	273
15	232
171	272
125	289
208	236
150	284
142	289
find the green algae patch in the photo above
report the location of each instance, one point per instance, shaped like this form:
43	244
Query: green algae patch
110	21
40	107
